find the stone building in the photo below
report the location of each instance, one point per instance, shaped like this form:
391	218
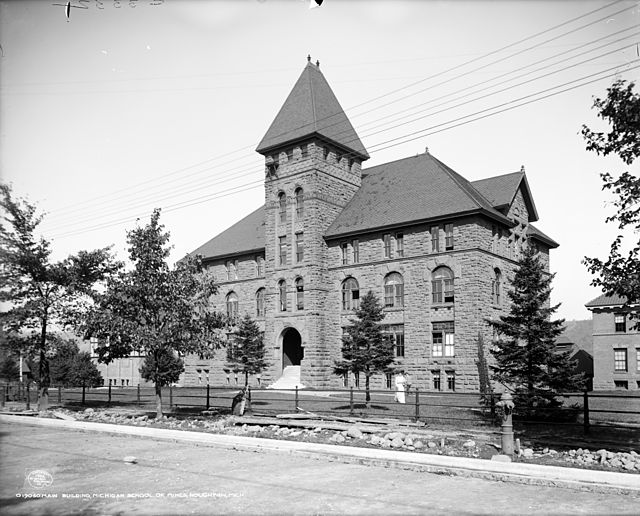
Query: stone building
616	344
434	247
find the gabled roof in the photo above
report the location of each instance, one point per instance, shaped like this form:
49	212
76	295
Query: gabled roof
311	109
501	190
536	234
244	236
604	300
408	191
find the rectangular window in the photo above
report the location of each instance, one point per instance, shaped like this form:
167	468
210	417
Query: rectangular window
356	379
620	322
621	384
443	339
355	244
436	380
394	333
399	244
344	247
387	380
451	380
386	239
259	266
299	247
620	359
282	256
435	239
448	239
345	380
299	295
638	359
235	270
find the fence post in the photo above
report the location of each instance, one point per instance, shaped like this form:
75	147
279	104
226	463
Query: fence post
417	404
28	397
59	394
585	406
351	401
83	393
109	398
138	395
295	408
171	397
208	396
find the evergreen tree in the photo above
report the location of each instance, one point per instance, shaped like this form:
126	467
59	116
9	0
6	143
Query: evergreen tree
246	352
156	310
84	372
619	274
364	348
526	359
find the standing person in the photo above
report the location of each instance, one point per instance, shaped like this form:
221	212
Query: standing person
400	384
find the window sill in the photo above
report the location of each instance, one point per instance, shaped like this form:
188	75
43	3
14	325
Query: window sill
443	305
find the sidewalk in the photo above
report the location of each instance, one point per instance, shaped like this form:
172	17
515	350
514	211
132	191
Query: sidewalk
533	474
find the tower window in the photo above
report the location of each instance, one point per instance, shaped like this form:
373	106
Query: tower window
299	203
282	295
300	294
399	244
386	240
496	286
435	239
356	251
282	207
282	248
260	296
289	154
304	150
299	247
448	239
344	248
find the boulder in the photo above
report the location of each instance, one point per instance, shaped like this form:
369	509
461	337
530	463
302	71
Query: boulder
469	444
408	441
397	443
386	443
337	438
130	459
527	453
431	444
418	445
355	432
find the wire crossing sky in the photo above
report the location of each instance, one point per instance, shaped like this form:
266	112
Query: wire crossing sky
128	106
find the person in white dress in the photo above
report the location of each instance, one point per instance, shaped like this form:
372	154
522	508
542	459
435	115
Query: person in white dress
400	386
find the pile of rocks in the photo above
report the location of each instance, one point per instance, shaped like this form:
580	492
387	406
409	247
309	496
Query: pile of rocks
627	461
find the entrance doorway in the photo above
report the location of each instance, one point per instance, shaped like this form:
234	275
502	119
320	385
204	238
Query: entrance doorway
292	352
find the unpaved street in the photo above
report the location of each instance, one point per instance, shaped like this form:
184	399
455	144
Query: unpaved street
89	477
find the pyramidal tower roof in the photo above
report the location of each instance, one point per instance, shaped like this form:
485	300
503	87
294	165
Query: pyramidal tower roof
312	109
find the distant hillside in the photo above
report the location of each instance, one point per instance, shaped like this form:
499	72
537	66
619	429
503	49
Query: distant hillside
580	333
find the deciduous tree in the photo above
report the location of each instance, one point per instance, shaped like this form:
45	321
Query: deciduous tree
40	294
364	348
156	310
619	274
526	359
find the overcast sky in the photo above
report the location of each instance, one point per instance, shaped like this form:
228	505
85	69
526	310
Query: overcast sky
128	106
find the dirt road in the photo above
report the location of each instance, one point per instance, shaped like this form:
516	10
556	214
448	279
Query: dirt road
62	472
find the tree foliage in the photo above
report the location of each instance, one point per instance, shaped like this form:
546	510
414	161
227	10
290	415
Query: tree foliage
40	294
162	368
364	348
619	274
154	309
246	351
526	359
69	367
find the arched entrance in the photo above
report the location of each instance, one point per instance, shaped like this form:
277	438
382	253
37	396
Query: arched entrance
292	352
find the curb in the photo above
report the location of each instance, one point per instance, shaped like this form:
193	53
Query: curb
533	474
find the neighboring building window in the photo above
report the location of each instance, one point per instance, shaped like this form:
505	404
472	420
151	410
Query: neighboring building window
620	359
299	247
282	207
300	294
399	244
387	380
638	359
356	379
448	237
344	247
442	285
435	239
621	384
620	322
356	251
260	296
299	204
451	380
232	305
282	256
350	294
394	333
393	290
436	380
351	165
443	339
282	295
386	239
345	380
496	286
259	266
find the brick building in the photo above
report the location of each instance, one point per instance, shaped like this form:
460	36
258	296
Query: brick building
435	248
616	344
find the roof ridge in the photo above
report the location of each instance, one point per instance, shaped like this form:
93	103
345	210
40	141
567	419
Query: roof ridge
460	181
313	100
499	175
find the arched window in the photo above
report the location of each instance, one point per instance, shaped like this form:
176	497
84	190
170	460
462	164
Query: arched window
282	207
442	285
260	296
232	305
496	286
300	294
350	294
393	290
282	295
299	204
